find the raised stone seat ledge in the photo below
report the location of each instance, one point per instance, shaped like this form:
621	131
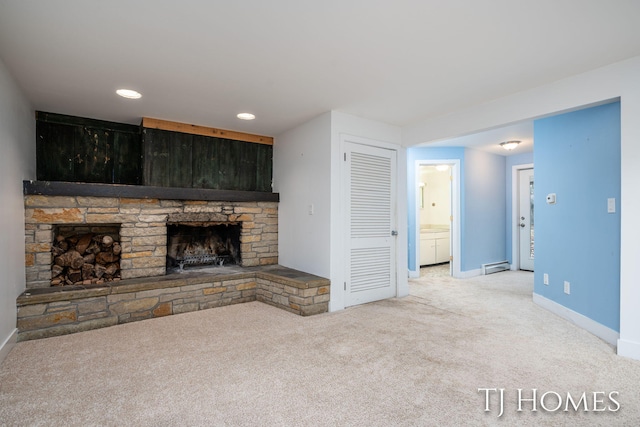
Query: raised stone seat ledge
47	312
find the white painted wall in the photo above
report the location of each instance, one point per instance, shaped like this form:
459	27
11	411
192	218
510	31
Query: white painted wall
382	135
629	342
619	80
307	163
17	163
302	176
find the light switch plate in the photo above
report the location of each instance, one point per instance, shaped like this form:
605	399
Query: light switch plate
611	205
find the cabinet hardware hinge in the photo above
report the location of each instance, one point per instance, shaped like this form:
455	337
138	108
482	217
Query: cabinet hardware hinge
345	157
345	286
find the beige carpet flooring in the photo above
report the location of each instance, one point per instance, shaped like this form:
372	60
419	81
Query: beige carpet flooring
416	361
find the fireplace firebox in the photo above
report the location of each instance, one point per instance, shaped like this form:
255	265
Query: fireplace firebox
200	244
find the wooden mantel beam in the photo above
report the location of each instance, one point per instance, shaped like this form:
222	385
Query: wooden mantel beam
205	131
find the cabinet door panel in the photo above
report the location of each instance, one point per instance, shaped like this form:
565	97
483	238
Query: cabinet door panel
442	250
94	155
78	149
427	251
206	162
167	158
127	158
55	152
264	167
424	248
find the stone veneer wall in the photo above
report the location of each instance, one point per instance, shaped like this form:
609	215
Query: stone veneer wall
143	229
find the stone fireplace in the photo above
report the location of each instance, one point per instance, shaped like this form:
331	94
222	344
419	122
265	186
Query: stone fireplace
247	231
154	227
165	219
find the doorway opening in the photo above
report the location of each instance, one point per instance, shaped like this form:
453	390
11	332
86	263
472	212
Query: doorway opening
522	213
437	217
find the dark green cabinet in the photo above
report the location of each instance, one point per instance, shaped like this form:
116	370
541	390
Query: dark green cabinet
176	159
76	149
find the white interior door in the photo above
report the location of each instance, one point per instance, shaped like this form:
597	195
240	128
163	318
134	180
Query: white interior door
525	218
371	223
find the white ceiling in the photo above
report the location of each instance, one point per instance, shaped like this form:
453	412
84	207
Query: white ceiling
286	61
490	140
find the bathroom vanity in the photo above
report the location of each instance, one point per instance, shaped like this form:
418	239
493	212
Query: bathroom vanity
434	246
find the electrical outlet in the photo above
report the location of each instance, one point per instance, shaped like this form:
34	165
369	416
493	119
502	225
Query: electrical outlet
545	279
567	287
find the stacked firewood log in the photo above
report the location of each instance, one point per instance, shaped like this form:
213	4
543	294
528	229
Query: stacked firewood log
85	259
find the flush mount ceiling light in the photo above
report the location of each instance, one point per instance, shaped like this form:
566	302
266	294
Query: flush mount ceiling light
509	145
246	116
129	94
442	168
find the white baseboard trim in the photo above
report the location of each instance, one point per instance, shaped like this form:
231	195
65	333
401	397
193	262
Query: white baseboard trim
8	344
414	274
582	321
469	274
629	349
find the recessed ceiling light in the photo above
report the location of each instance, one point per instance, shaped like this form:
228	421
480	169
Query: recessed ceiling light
246	116
129	94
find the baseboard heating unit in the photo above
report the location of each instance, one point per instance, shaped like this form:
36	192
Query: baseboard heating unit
495	267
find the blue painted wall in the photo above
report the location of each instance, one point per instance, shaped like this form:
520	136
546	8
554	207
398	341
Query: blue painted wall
482	201
511	161
577	156
484	214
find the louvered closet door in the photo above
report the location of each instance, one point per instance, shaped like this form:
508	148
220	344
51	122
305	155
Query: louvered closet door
371	220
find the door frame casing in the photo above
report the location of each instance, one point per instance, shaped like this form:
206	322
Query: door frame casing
515	200
455	235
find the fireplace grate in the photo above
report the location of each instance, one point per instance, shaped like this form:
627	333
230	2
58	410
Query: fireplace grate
202	259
